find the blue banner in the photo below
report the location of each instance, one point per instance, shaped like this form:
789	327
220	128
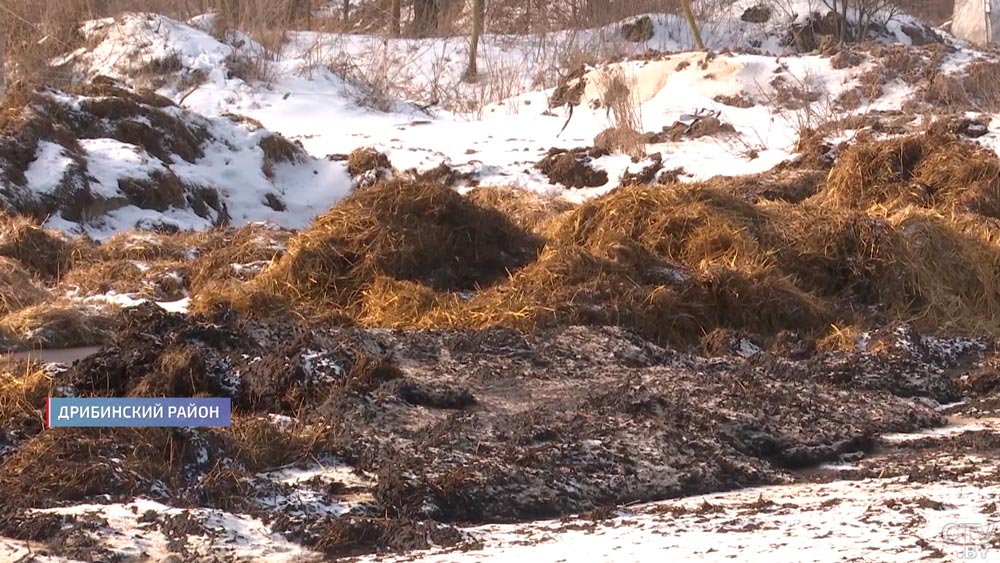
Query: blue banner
65	412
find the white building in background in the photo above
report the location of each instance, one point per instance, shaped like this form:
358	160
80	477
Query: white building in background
976	21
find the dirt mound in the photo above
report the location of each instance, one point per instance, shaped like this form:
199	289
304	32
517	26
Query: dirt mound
931	170
533	444
572	168
77	130
277	150
408	231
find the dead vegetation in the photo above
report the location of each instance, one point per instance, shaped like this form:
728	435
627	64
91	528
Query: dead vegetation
102	110
933	170
17	287
900	229
529	211
572	168
60	324
24	390
623	107
41	252
780	251
405	230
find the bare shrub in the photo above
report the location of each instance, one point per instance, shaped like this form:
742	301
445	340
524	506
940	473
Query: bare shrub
371	85
624	112
267	21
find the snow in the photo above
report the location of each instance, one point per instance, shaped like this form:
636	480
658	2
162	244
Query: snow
179	306
886	520
109	160
235	536
337	92
46	172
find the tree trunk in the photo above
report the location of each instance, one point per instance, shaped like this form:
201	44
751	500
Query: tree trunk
478	9
425	16
345	12
843	21
394	16
689	16
3	69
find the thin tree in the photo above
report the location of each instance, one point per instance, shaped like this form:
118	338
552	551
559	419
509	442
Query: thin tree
689	16
478	11
394	16
425	17
3	69
345	12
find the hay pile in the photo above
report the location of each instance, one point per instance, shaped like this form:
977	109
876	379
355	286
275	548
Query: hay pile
152	246
673	263
41	252
238	254
404	230
528	210
17	288
934	170
161	280
56	325
24	389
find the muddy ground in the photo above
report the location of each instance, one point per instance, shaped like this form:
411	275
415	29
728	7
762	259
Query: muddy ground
443	428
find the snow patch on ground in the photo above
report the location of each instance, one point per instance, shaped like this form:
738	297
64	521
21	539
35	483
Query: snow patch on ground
885	519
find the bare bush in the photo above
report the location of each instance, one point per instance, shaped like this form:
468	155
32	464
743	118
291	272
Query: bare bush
624	112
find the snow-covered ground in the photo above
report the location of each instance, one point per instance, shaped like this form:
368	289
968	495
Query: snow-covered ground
337	92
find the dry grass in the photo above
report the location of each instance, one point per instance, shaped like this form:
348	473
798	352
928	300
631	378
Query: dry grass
933	170
624	112
56	325
24	390
43	253
163	280
237	255
17	288
672	264
404	230
63	465
528	210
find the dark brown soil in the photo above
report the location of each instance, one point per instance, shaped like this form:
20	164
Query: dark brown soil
572	169
467	426
708	126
